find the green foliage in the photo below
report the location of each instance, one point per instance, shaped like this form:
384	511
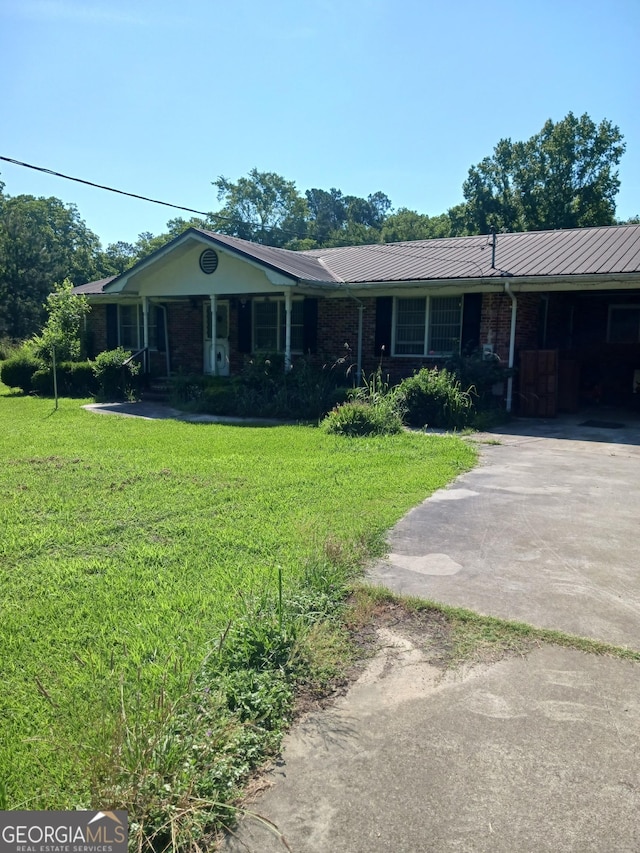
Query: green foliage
264	390
42	240
65	313
338	220
563	177
145	648
263	207
357	418
17	371
120	256
74	378
374	408
408	225
8	347
115	374
435	398
479	375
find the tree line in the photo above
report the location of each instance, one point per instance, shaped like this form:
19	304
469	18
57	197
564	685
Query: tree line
565	176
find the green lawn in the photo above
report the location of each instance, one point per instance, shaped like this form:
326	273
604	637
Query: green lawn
128	547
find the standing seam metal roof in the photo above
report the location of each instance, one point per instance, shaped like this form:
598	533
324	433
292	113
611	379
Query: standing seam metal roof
580	251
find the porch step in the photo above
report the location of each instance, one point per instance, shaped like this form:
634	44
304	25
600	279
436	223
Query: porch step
157	391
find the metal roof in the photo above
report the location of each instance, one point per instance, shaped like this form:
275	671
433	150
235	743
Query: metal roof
579	251
299	265
572	252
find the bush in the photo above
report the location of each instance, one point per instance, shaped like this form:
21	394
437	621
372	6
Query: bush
116	379
75	379
263	389
479	375
357	418
17	371
435	398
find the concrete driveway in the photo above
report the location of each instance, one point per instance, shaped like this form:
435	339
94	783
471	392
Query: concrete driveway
530	753
545	530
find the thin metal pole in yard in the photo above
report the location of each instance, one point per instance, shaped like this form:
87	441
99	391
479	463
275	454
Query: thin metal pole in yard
55	376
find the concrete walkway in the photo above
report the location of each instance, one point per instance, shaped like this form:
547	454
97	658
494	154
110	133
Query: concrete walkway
530	753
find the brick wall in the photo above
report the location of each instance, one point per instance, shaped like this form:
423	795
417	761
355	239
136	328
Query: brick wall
495	322
338	326
96	330
186	345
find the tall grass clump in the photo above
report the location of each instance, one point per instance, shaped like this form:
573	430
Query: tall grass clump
374	408
435	398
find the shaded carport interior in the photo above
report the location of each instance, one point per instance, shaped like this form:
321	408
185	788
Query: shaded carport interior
597	336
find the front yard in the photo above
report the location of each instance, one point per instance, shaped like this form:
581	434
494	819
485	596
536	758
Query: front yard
138	560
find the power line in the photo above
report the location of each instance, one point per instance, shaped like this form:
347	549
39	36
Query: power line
377	247
104	187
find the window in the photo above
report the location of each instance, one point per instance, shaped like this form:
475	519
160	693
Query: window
427	325
269	326
131	327
624	324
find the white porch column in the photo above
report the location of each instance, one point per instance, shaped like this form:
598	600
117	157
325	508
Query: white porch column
145	332
287	330
214	334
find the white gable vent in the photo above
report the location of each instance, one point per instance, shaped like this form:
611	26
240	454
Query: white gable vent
208	261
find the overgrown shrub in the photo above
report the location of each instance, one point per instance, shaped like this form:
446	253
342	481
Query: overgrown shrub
479	375
263	389
75	379
435	398
115	374
358	418
17	371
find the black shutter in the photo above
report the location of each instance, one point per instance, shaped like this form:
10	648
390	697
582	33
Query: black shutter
384	313
112	326
471	312
244	326
160	336
310	325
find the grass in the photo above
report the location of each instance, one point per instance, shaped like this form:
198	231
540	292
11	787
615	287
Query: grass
463	636
148	660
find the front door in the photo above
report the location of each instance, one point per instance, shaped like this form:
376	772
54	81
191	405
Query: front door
221	350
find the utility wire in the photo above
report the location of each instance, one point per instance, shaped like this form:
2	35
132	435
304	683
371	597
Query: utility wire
103	187
376	247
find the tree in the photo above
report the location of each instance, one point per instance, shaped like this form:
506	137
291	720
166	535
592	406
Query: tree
263	207
563	177
65	312
342	220
406	224
120	256
42	241
327	213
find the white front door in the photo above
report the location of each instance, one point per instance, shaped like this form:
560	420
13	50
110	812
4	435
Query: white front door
221	350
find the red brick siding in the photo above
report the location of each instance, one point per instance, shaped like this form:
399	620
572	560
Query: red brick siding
186	339
96	330
495	322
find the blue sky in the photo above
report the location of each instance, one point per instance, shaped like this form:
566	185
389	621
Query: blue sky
161	98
